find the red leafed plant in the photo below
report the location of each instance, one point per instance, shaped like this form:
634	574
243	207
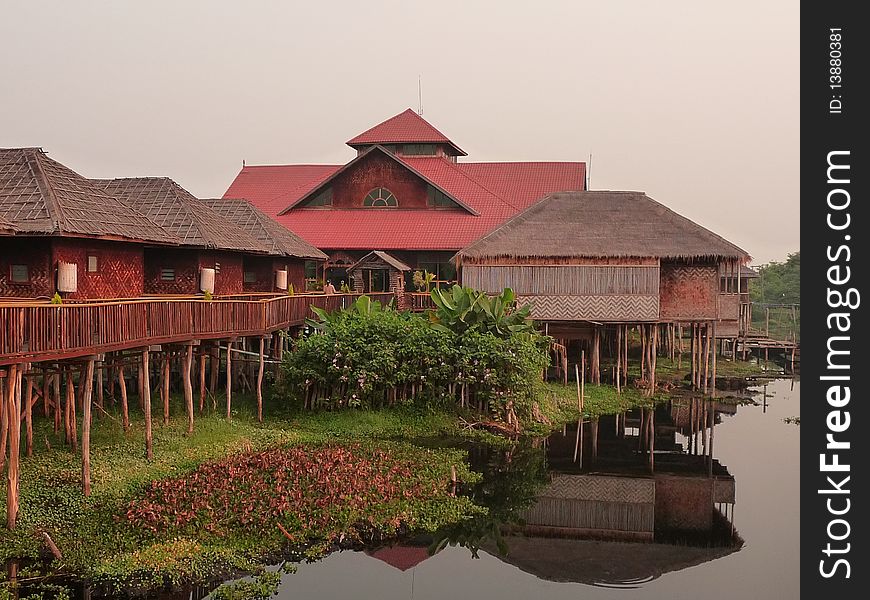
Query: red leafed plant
312	493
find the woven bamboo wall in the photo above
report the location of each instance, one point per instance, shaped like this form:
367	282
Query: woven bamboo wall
689	292
36	254
593	308
186	265
119	271
568	280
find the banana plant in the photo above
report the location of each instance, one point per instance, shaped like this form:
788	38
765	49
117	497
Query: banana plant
361	306
460	309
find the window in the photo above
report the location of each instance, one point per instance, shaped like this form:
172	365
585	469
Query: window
418	149
323	198
250	277
19	274
438	199
93	264
167	274
380	197
445	273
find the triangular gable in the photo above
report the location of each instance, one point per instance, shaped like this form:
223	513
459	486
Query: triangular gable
376	256
405	127
313	192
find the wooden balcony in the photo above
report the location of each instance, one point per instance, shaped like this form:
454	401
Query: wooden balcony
40	331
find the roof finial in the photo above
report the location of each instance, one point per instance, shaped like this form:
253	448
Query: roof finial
243	163
420	94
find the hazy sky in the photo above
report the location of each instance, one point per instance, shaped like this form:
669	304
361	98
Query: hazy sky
696	103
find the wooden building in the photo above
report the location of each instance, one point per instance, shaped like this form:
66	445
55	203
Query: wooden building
286	251
70	236
378	271
407	192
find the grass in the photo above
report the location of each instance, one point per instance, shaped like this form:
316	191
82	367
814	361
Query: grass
100	546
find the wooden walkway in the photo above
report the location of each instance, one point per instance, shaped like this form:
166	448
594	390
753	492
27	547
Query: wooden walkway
40	331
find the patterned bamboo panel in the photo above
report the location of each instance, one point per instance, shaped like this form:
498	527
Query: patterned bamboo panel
569	280
689	292
601	487
593	308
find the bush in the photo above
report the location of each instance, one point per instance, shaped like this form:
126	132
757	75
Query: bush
371	358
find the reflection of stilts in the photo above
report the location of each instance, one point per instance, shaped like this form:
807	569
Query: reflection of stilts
764	400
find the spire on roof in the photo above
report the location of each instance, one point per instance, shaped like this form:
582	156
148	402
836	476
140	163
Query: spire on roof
407	127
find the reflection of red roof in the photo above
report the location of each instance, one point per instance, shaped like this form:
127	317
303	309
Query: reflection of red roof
401	557
405	127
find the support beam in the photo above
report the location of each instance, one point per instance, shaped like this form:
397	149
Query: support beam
164	387
188	388
146	404
86	427
125	410
28	416
71	403
202	388
13	409
261	365
229	380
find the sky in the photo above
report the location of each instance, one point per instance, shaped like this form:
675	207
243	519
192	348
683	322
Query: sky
695	103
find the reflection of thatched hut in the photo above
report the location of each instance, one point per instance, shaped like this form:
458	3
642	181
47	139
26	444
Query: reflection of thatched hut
602	563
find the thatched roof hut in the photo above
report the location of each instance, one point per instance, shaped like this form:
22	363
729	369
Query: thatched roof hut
601	224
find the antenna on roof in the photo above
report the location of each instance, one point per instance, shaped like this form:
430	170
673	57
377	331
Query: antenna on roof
420	94
243	163
589	171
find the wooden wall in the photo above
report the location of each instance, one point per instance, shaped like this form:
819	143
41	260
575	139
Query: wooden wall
265	268
376	170
185	262
119	271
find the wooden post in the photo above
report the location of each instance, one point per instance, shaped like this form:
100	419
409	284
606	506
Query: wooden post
13	410
58	403
28	416
215	367
706	345
187	364
4	412
86	427
582	380
596	356
99	367
73	420
229	379
46	393
260	382
653	360
579	393
146	404
125	411
715	352
201	380
680	349
618	359
164	391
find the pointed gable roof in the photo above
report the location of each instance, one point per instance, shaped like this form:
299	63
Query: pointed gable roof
278	239
601	224
407	127
180	212
384	256
40	196
407	164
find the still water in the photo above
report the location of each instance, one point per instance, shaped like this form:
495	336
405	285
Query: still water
610	524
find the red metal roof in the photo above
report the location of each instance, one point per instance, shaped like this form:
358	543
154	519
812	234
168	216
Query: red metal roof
496	191
405	127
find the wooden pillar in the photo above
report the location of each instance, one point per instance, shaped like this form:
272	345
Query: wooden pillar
188	387
99	367
680	347
125	411
214	368
706	344
596	358
28	416
71	404
229	379
715	352
4	417
12	412
58	403
146	403
618	359
86	427
201	380
260	382
46	393
164	387
653	359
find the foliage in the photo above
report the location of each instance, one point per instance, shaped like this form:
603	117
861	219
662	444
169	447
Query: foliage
291	291
56	299
462	309
207	296
778	282
261	587
345	288
369	356
422	280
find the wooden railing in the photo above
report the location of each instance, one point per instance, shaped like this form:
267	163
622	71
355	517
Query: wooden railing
418	302
38	331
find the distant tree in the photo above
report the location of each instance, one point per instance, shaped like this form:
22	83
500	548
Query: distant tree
778	282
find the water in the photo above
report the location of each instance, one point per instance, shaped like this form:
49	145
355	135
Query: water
692	555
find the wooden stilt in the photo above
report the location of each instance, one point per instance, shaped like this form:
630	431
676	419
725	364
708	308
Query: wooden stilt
164	388
13	409
229	379
99	367
125	411
715	352
58	403
146	404
680	346
5	389
260	382
706	357
46	393
202	389
86	427
619	359
214	370
73	420
596	356
188	387
28	417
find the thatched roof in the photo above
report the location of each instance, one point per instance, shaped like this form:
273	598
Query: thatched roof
40	196
181	213
385	257
748	273
5	227
601	224
277	238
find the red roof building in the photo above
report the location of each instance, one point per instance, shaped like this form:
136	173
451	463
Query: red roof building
406	192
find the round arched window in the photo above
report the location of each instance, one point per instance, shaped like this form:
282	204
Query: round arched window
380	197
